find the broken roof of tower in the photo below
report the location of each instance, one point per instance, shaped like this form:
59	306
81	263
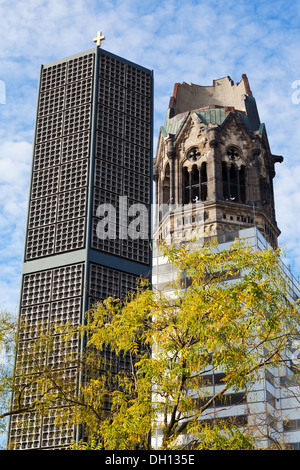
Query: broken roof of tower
212	104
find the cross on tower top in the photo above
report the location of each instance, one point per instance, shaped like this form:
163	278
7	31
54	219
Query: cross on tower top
99	38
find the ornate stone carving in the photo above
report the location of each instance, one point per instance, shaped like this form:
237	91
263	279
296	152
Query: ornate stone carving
193	154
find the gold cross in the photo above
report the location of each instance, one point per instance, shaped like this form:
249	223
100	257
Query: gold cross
99	38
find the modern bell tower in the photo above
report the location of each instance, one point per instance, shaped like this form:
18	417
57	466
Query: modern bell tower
92	152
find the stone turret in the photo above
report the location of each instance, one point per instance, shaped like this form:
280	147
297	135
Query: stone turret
214	150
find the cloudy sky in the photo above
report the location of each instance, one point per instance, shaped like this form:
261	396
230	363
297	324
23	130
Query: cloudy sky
181	40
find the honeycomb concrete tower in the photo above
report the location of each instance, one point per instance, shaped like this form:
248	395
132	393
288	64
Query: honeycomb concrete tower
92	151
213	149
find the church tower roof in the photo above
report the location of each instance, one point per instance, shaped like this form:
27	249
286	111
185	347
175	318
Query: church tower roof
212	103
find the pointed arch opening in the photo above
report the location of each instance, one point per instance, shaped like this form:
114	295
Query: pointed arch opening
203	182
242	176
166	185
234	182
186	186
233	177
194	184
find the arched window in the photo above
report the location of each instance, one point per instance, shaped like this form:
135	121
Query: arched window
194	184
234	182
242	176
203	182
234	187
189	184
166	185
186	186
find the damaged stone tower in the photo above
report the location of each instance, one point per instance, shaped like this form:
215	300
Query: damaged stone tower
213	149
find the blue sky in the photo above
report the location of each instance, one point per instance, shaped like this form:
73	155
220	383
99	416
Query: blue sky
187	40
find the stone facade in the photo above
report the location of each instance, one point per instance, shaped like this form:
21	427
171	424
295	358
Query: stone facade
213	149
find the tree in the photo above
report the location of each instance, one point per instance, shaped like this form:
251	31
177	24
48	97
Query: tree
236	317
231	314
7	341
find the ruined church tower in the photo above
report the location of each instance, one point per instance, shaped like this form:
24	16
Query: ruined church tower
213	149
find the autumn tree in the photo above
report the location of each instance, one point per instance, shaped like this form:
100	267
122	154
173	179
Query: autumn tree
237	316
147	360
7	341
